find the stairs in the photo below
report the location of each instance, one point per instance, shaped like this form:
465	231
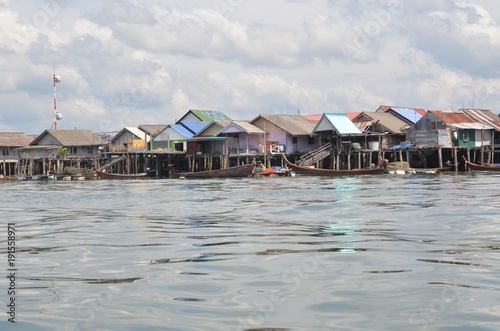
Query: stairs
121	158
312	157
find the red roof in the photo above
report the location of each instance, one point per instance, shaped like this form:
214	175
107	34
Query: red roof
314	118
353	115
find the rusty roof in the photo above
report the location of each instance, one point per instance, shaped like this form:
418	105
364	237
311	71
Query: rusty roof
14	139
483	116
452	117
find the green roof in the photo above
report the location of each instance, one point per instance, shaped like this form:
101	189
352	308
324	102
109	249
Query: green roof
210	115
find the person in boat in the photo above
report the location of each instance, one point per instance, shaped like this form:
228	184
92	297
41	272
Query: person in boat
382	163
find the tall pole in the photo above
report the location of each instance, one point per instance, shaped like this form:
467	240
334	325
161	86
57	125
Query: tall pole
57	116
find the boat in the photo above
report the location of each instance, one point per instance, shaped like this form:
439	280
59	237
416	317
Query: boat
479	167
302	170
109	175
238	171
262	171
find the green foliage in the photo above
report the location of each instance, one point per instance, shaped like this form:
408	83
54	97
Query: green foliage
62	152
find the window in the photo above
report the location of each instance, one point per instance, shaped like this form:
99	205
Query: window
310	140
179	147
294	140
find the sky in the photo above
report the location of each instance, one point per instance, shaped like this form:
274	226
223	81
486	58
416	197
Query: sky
131	62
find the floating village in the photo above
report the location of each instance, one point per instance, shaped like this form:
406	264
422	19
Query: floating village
208	143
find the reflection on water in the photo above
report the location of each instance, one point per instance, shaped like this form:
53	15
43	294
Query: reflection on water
304	253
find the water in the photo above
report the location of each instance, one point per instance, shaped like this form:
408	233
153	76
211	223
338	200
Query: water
413	252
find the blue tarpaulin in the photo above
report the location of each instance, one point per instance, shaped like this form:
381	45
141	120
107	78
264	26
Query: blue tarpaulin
404	146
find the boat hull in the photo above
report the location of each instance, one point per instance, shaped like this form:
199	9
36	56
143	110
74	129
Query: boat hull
106	175
478	167
301	170
238	171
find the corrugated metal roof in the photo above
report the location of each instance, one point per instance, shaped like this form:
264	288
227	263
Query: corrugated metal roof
365	125
210	115
72	137
451	117
182	130
194	127
242	126
296	125
214	126
337	122
137	132
483	116
474	126
408	113
314	118
152	130
14	139
387	121
420	111
353	115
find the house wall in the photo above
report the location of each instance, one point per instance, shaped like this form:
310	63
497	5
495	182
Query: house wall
122	139
190	117
82	151
212	130
176	141
276	134
28	153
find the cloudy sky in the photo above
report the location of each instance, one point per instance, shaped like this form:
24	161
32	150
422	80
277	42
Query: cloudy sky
131	62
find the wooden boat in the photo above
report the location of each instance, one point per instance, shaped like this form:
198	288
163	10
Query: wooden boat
301	170
108	175
238	171
478	167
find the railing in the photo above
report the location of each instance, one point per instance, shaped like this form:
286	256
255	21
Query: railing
312	157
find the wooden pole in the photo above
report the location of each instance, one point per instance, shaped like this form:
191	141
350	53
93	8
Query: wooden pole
455	157
440	156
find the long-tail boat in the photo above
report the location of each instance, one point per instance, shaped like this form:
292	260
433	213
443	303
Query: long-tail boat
479	167
238	171
302	170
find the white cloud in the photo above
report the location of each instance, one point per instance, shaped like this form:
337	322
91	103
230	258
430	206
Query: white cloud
130	62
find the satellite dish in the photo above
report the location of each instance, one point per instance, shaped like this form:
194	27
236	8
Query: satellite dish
59	116
57	79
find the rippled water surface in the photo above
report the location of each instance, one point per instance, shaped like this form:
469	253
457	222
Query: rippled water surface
413	252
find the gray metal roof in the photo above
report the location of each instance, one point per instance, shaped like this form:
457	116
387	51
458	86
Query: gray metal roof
152	130
14	139
242	126
296	125
386	120
72	138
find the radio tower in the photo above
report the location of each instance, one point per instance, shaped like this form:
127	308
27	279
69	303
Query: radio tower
57	116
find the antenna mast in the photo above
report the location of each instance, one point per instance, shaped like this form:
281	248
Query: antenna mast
57	116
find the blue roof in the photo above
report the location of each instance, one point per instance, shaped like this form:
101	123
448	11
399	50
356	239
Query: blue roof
337	122
182	130
408	113
194	127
